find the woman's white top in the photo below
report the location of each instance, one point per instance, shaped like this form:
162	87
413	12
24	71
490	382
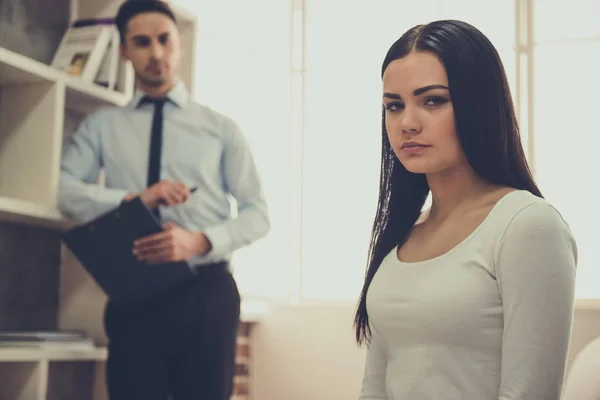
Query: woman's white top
489	320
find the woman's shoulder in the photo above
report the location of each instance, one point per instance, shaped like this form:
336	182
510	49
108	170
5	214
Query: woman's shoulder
524	208
525	219
532	231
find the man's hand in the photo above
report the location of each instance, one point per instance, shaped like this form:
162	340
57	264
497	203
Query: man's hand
129	197
163	193
173	244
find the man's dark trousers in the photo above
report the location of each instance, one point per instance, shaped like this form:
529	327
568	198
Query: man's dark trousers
180	343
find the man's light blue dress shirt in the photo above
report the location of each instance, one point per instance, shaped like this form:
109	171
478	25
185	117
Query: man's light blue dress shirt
200	148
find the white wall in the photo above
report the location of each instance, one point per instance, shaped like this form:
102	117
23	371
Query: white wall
307	352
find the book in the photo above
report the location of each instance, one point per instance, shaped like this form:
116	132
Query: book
42	335
87	344
46	339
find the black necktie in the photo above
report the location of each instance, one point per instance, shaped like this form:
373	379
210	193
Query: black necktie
155	142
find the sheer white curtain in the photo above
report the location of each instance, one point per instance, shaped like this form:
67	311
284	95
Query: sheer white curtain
243	71
345	45
567	133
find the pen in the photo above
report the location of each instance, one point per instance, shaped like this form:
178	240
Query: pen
192	190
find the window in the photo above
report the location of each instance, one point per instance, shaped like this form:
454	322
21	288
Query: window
242	71
342	139
566	21
566	130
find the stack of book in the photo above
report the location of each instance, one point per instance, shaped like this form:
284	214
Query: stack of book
89	50
46	340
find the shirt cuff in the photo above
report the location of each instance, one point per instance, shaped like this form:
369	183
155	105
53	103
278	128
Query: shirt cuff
220	240
109	198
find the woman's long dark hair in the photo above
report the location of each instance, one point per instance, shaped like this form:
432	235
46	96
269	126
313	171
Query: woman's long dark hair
485	123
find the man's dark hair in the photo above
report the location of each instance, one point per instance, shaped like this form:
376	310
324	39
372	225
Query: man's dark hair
131	8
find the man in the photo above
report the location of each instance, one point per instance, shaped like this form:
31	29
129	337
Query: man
179	343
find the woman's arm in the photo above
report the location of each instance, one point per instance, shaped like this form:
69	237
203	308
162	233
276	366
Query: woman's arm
535	268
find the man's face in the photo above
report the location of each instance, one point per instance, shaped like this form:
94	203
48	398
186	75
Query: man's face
153	45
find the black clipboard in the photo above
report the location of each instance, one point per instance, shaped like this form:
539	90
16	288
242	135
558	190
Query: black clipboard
104	248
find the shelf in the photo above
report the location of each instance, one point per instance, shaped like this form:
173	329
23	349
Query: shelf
33	355
17	69
21	211
84	98
81	96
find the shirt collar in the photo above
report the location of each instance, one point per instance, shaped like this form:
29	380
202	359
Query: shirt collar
177	95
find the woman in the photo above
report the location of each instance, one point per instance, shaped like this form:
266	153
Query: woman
473	298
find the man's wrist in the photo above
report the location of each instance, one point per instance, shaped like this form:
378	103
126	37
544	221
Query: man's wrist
204	245
128	197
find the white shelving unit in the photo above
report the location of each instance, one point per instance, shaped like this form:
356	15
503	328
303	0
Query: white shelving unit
37	107
26	372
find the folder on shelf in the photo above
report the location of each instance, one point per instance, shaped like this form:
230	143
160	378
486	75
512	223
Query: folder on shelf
104	248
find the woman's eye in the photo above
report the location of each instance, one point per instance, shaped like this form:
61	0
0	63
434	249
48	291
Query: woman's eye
435	101
394	107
